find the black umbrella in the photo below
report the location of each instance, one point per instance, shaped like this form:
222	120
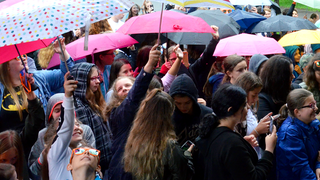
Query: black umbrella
227	27
276	7
282	23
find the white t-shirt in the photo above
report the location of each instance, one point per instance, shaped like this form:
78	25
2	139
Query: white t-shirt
115	25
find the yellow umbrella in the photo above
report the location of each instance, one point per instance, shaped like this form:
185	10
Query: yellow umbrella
300	38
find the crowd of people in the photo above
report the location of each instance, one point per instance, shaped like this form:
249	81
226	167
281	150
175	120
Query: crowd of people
140	113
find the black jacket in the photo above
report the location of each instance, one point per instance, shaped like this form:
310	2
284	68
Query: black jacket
225	155
186	125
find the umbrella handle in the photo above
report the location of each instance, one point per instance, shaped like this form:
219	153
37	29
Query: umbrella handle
62	53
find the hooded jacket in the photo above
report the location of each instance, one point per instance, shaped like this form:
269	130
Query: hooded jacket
290	52
35	156
89	117
186	125
256	61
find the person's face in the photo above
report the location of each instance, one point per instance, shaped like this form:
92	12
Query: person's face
150	7
254	10
94	80
16	65
123	87
267	14
83	160
239	69
56	112
10	156
317	73
308	111
241	114
125	70
108	58
297	55
295	14
135	10
77	133
252	96
172	58
184	104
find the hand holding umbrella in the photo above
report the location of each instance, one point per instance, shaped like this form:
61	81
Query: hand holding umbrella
60	48
216	32
27	86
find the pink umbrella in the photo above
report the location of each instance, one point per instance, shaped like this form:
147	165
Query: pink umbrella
8	3
10	52
171	22
247	45
97	43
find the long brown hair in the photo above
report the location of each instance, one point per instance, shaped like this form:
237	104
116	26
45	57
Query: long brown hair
143	151
11	139
310	76
215	68
95	99
5	79
130	12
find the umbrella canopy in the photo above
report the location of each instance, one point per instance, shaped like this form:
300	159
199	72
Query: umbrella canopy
97	43
10	52
31	20
251	2
300	38
276	7
282	23
8	3
310	3
246	19
171	22
227	27
247	45
200	3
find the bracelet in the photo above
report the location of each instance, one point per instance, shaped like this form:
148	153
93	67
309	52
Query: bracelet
256	132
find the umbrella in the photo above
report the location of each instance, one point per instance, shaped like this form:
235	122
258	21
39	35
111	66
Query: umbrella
97	43
8	3
300	38
310	3
276	7
282	23
227	27
10	52
251	2
247	45
200	3
246	19
172	22
31	20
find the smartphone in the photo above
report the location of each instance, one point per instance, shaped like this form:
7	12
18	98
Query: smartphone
186	145
271	122
185	58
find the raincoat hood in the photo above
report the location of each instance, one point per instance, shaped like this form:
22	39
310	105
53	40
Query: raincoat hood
183	84
256	61
52	103
290	51
314	47
80	73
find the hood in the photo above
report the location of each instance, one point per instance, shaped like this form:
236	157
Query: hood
314	47
52	103
183	84
255	62
217	78
80	73
290	51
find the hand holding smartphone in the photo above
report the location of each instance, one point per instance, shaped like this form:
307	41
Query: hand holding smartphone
272	118
186	145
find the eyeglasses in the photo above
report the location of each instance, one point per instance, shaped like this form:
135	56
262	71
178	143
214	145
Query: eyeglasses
317	63
311	105
24	56
79	151
95	78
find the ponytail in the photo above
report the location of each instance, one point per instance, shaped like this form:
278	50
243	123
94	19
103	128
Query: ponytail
208	123
284	113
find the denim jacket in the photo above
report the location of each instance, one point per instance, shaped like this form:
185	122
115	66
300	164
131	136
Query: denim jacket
297	149
48	81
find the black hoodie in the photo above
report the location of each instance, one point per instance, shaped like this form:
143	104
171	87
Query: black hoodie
186	125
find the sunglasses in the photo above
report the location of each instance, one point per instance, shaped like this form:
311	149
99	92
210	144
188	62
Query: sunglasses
317	63
24	56
311	105
95	78
79	151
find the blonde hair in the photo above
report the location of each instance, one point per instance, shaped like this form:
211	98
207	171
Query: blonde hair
144	151
5	79
267	9
45	55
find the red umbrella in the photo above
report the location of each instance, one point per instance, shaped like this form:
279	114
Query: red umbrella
10	52
171	22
